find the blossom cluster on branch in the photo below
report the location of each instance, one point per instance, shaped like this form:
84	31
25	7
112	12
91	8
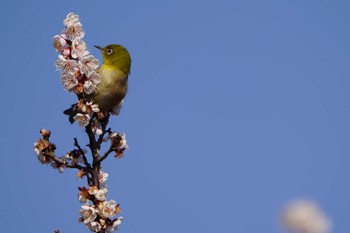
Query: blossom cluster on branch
79	75
77	65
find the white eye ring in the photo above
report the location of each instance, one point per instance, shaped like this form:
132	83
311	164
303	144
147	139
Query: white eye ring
109	51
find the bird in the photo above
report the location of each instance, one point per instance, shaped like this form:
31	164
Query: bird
114	74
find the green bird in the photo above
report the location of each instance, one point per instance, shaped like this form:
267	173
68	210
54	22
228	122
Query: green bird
114	74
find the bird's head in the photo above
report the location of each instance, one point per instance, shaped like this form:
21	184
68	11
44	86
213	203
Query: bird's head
116	55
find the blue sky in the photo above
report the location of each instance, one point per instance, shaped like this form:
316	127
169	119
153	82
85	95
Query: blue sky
234	108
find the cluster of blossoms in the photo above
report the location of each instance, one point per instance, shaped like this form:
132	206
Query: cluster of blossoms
77	66
304	216
97	212
85	113
118	143
44	149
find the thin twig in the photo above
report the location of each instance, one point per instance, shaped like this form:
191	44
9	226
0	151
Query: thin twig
76	144
104	131
105	155
65	163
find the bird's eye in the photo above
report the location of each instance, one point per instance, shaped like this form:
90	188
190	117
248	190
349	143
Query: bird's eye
109	51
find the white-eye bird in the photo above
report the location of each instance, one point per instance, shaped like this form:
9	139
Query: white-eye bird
114	74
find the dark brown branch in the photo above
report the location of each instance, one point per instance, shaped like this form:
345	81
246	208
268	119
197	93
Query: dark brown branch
65	163
92	142
104	131
105	155
95	154
76	144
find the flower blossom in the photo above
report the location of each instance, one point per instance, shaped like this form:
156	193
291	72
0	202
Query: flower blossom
107	208
59	43
93	107
69	81
94	226
90	84
66	65
42	148
122	143
115	225
88	213
59	166
102	177
304	216
74	31
71	19
41	157
88	64
96	127
83	119
78	49
101	194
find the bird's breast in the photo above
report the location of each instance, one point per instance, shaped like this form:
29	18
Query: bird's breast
112	88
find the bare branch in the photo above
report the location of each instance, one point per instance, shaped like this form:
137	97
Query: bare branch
65	163
76	144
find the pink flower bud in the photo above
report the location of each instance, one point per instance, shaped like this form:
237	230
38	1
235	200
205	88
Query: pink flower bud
66	52
45	133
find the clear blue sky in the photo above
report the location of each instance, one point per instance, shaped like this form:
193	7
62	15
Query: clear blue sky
234	108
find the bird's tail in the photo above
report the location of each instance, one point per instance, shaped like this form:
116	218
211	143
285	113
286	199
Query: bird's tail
71	112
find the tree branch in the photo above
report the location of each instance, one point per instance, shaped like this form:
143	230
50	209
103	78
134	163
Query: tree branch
76	144
65	163
104	124
105	155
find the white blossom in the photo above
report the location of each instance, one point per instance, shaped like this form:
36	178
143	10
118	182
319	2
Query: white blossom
69	81
65	65
114	135
102	177
38	149
83	119
71	19
91	82
122	143
59	43
79	49
59	166
93	190
88	213
74	31
96	127
101	194
304	216
93	107
94	226
107	209
115	225
88	64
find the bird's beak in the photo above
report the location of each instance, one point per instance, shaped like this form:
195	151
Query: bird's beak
98	47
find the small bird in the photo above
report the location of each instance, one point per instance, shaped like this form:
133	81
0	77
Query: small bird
114	74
